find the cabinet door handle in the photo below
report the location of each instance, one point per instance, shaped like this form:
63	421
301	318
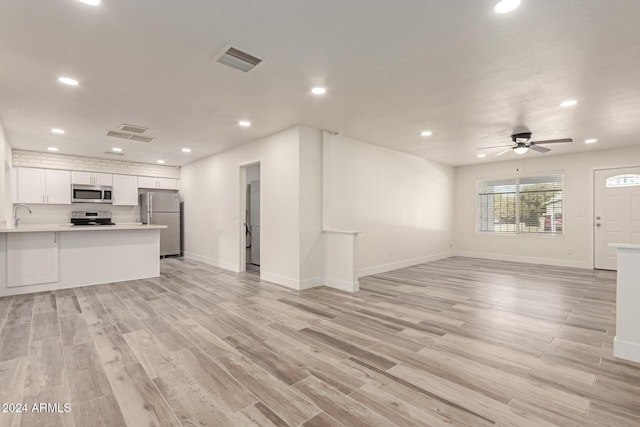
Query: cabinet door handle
55	237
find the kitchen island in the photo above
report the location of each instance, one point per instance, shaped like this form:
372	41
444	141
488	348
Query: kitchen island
45	257
626	344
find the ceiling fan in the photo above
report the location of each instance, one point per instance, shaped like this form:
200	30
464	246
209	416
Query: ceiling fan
521	144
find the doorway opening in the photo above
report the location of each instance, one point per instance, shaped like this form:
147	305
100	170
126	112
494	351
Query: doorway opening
250	214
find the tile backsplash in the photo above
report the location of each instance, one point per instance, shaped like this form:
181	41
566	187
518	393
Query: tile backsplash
37	159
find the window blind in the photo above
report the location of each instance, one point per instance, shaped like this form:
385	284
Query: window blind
531	204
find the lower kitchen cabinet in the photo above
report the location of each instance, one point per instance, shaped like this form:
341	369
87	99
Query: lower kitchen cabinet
32	258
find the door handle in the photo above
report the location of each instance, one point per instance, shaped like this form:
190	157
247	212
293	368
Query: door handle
598	224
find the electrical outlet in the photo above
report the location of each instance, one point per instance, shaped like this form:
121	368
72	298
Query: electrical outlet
569	251
390	254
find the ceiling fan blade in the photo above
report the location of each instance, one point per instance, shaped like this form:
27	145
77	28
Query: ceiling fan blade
495	146
504	151
539	149
552	141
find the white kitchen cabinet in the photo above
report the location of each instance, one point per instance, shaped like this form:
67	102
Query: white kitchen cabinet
147	182
157	183
30	185
57	187
125	190
167	183
45	186
91	178
32	258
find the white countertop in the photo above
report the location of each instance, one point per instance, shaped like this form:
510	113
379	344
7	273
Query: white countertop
34	228
624	245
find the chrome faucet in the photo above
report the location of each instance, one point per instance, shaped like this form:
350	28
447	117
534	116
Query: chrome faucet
15	214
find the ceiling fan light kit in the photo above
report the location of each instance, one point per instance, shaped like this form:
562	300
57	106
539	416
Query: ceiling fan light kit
521	148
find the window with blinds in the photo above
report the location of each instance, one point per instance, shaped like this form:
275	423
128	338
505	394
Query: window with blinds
531	204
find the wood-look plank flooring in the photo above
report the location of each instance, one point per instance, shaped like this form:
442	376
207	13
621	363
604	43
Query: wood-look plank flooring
455	342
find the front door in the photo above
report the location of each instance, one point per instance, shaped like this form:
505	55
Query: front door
617	213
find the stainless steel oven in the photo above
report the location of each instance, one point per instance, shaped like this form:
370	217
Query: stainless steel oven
90	194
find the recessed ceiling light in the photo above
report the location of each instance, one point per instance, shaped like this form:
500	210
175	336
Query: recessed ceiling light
569	103
160	162
90	2
590	141
58	131
482	156
244	123
186	150
68	81
52	148
318	91
506	6
426	133
117	149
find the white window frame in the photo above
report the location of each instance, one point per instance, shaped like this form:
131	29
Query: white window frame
516	232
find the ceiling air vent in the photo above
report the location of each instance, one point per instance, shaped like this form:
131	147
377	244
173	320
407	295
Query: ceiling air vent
133	128
141	138
237	59
129	136
116	134
113	153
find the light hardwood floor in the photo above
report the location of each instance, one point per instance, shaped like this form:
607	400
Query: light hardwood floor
454	342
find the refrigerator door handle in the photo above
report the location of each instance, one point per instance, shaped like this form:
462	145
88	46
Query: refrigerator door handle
150	207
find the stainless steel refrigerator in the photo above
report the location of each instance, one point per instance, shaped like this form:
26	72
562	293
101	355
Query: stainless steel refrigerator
163	208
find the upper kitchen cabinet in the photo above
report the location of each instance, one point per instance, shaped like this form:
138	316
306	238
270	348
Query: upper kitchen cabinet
91	178
45	186
125	190
157	183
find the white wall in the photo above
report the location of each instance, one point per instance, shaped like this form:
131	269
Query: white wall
401	204
575	247
211	192
311	211
5	174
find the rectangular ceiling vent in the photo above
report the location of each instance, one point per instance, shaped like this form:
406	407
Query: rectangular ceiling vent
113	153
141	138
132	128
116	134
237	59
129	136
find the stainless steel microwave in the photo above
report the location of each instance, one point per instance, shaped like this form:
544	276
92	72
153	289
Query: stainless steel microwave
90	194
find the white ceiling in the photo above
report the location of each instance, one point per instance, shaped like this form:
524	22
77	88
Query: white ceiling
392	69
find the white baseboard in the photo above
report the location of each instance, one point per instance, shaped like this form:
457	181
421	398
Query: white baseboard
288	282
282	280
309	283
626	350
367	271
526	259
212	261
342	285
